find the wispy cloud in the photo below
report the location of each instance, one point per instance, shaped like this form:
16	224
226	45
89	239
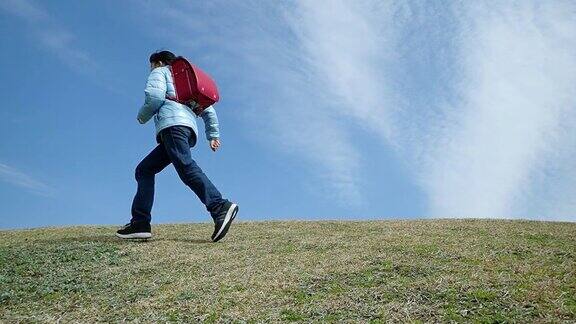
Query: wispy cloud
61	42
25	10
519	71
18	178
477	99
340	50
498	123
51	35
346	46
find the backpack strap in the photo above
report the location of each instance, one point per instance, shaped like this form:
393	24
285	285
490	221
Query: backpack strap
191	104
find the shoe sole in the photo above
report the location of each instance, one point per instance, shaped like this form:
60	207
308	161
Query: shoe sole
142	235
230	215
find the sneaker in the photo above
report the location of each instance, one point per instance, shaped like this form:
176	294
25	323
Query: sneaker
223	219
137	230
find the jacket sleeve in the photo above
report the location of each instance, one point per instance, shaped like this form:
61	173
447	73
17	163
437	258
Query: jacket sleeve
210	123
154	95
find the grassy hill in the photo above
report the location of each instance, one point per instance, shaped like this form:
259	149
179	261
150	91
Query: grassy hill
437	270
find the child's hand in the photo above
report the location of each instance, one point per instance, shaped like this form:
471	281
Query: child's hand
214	144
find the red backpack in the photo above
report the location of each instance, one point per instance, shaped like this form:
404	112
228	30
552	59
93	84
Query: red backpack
193	86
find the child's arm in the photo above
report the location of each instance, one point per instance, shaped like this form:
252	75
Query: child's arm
155	95
210	123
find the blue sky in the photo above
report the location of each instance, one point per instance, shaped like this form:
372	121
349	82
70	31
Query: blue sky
329	109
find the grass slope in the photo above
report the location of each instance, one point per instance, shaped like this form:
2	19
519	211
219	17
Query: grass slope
436	270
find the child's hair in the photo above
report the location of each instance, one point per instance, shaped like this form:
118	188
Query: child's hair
165	57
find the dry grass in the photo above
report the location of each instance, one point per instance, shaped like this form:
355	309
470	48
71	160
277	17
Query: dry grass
437	270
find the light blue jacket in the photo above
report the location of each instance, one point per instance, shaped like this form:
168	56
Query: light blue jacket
168	113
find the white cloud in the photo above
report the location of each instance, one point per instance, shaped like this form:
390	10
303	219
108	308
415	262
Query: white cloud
17	178
24	9
60	42
519	62
515	72
343	49
52	36
346	47
482	144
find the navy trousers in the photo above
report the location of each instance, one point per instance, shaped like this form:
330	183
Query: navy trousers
174	147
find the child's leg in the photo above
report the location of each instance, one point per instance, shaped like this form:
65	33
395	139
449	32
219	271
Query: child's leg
176	143
152	164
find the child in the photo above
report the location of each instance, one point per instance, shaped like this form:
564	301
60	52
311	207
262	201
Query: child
176	134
